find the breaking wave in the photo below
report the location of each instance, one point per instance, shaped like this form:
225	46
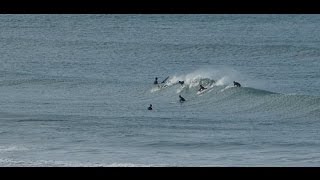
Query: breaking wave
222	96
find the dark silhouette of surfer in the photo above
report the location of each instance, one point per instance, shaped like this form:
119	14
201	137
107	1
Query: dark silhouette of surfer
202	88
236	84
162	84
181	82
150	107
181	99
156	81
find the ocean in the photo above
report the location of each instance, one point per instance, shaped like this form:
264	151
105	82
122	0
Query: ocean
75	90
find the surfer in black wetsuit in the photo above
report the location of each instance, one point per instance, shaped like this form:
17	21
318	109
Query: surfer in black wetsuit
236	84
202	88
181	82
156	81
181	99
150	107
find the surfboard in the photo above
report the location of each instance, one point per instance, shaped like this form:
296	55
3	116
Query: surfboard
165	79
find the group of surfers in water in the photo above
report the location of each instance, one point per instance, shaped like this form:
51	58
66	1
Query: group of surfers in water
181	99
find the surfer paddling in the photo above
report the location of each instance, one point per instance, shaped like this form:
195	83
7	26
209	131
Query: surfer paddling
181	99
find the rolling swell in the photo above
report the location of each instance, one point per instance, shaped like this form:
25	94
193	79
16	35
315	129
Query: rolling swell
244	100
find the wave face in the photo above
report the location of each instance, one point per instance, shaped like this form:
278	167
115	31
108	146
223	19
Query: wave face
222	97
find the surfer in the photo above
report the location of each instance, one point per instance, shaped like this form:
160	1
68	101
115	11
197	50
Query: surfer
181	82
181	99
202	88
156	81
236	84
150	107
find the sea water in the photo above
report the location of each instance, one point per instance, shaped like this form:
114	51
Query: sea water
75	90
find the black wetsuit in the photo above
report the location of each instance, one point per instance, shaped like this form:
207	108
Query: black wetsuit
181	82
150	107
236	84
181	99
202	88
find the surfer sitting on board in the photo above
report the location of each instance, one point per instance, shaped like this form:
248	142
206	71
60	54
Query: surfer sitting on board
181	99
236	84
150	107
202	88
156	81
162	84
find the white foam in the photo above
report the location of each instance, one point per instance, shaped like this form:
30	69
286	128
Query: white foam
223	77
12	148
154	89
227	87
55	163
222	81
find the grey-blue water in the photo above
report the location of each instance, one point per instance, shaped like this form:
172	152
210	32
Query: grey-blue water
75	90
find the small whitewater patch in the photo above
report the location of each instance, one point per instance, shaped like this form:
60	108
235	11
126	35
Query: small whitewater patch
54	163
227	87
12	148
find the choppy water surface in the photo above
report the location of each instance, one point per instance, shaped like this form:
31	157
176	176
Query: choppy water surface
75	90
